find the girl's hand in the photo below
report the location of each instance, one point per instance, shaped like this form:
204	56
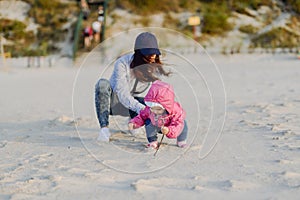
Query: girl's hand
164	130
130	126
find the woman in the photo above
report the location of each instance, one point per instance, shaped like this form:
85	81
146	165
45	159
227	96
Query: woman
130	81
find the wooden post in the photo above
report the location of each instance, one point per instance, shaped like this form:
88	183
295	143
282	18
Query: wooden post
2	51
194	21
103	26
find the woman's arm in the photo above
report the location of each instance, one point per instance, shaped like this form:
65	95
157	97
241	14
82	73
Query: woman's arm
121	84
140	119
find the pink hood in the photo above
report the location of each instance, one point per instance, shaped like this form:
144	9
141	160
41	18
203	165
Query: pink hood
162	93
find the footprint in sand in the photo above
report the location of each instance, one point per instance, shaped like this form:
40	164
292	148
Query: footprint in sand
39	158
3	144
285	162
62	120
128	142
143	185
201	184
291	179
31	186
232	185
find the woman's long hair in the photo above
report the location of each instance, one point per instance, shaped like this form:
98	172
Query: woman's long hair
145	71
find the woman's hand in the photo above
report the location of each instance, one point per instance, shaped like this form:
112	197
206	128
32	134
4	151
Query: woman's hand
164	130
130	126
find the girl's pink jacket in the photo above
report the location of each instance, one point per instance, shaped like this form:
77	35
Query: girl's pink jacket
163	93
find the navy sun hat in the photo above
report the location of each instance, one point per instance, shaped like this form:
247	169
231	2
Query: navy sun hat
147	43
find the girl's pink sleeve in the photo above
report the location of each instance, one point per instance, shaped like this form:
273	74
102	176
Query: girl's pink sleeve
175	127
177	123
140	119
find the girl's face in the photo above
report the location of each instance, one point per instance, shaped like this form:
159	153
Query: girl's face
150	58
157	110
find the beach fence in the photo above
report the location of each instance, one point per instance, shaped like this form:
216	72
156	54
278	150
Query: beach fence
36	62
39	61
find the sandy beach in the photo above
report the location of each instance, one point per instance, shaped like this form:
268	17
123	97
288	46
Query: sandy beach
243	122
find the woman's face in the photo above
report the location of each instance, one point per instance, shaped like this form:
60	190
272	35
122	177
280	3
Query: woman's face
150	58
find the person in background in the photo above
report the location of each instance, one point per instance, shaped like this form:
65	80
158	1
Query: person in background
100	14
88	36
96	25
85	9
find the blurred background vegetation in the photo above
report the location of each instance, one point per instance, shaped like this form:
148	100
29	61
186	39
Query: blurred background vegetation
215	15
52	15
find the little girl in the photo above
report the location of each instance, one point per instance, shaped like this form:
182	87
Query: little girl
161	115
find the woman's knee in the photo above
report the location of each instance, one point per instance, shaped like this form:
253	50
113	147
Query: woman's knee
103	85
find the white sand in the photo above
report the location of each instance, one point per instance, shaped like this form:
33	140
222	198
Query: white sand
257	155
48	144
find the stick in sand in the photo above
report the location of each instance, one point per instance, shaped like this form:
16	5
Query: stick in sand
161	137
159	144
